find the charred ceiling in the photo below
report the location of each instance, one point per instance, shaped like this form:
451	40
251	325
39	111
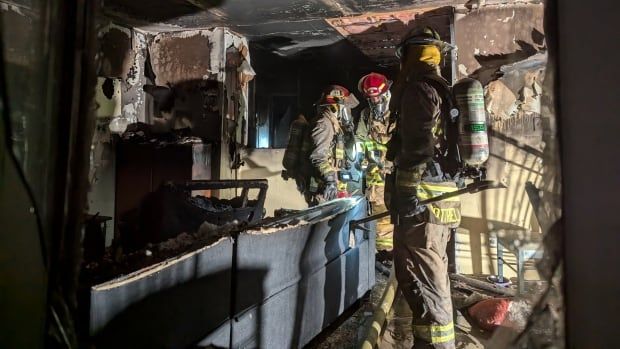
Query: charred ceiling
378	34
285	27
247	15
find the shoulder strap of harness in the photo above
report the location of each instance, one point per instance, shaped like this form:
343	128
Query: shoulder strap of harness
450	158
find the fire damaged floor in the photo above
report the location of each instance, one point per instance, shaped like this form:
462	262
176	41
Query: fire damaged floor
350	330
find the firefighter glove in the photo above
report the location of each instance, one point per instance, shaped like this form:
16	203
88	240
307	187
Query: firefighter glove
331	191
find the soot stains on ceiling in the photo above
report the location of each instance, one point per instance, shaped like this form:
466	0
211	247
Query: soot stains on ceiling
299	23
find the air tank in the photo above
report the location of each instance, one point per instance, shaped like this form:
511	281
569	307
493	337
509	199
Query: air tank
473	138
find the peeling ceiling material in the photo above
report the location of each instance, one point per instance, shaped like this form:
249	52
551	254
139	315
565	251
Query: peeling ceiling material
517	93
493	36
378	34
289	25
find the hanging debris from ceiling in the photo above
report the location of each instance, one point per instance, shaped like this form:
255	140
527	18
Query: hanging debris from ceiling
517	92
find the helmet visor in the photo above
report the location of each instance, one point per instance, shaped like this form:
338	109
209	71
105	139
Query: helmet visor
350	101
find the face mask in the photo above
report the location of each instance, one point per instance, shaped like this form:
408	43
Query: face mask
379	107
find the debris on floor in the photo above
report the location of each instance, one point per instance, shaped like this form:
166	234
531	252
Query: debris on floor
482	316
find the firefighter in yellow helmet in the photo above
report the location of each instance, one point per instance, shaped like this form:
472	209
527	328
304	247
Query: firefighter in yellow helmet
373	132
331	142
422	231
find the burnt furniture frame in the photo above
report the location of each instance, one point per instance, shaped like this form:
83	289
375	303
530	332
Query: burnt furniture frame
246	184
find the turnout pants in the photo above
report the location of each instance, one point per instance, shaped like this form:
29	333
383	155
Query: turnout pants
385	229
421	265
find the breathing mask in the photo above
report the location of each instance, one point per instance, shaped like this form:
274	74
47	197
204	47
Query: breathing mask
379	106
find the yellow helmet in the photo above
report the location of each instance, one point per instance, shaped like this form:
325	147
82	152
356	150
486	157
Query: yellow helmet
423	36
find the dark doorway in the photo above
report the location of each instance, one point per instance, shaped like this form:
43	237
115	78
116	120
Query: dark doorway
283	112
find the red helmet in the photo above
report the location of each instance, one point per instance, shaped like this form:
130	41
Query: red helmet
373	85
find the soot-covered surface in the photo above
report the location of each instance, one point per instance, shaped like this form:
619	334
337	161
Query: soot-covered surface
299	24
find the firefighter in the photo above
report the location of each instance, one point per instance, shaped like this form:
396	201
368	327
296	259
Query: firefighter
331	133
422	231
373	132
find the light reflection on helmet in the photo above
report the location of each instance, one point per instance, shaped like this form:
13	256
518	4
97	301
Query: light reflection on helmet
376	89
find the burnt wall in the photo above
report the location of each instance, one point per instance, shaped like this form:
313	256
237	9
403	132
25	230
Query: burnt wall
496	35
180	58
116	54
503	47
122	54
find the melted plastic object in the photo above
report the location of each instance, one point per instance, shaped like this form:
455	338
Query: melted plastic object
490	313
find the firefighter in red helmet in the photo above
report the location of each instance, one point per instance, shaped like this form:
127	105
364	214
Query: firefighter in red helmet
373	132
331	133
